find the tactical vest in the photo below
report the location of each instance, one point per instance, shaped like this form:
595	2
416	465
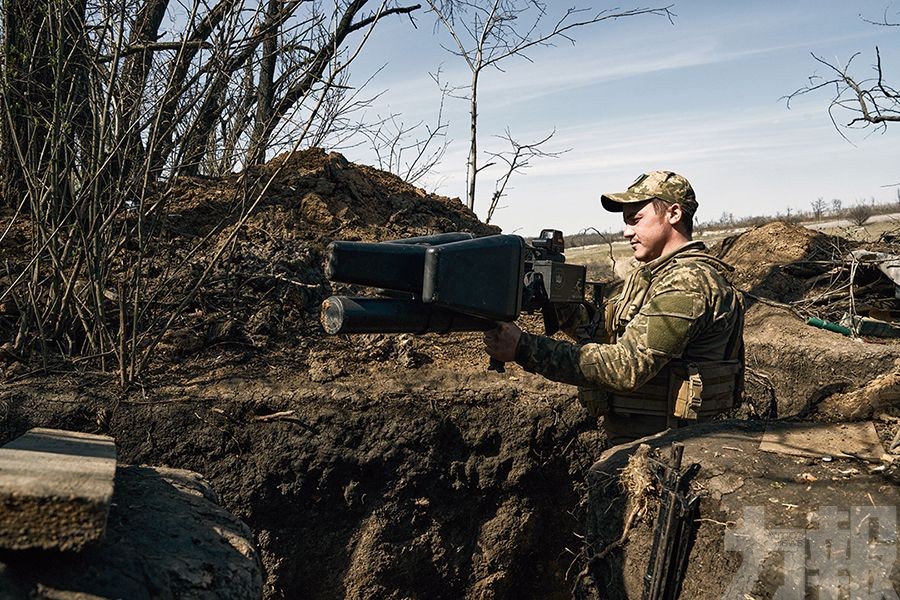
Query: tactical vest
683	389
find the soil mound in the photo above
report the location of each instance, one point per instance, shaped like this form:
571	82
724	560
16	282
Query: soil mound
264	232
794	369
754	505
790	273
314	196
166	537
771	261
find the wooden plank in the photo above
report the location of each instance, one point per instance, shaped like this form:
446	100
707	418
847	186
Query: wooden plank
823	439
55	489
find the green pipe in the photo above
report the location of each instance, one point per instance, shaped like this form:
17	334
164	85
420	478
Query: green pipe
823	324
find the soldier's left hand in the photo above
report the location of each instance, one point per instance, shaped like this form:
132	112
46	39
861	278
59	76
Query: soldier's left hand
500	343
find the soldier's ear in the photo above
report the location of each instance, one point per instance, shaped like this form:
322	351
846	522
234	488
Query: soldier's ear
674	214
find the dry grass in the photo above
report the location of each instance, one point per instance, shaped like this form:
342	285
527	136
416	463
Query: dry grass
637	482
635	478
870	232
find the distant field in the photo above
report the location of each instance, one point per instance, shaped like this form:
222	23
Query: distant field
601	267
869	232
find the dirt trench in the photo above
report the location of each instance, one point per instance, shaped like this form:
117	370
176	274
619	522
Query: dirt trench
365	491
366	466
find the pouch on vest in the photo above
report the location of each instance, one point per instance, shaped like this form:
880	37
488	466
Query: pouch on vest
689	395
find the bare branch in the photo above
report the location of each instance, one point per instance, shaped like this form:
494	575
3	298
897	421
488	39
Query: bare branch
156	47
403	10
487	32
885	21
517	159
857	102
388	139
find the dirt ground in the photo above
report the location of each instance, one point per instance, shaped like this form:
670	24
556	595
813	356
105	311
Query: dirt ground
757	510
385	466
166	537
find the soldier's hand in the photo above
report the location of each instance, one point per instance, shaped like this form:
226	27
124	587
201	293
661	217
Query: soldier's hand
500	343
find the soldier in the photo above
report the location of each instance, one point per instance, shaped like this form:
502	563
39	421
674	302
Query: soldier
672	350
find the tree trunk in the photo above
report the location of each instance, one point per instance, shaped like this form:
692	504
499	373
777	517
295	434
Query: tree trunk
317	65
472	162
45	100
27	99
196	139
265	90
162	133
135	71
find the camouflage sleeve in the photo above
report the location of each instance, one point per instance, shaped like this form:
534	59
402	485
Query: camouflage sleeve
554	359
571	317
657	334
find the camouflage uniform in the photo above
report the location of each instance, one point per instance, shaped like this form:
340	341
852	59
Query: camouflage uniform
673	348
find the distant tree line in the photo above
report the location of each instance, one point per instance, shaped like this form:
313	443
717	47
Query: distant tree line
857	214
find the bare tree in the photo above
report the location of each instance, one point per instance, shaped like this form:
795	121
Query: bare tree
404	149
860	213
727	219
859	100
100	109
592	235
818	208
836	206
485	33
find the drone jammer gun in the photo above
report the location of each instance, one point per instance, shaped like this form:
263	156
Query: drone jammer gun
449	282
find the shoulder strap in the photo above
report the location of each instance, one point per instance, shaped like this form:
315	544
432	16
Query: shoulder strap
714	261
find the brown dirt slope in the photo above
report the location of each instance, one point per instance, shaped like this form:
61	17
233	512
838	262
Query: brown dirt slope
770	260
264	292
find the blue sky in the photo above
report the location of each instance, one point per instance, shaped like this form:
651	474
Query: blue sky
702	97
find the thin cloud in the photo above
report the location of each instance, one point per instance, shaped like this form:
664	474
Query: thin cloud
561	74
558	70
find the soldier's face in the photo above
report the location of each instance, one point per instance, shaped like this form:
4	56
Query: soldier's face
647	230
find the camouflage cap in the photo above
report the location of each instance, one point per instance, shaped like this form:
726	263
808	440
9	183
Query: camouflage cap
662	185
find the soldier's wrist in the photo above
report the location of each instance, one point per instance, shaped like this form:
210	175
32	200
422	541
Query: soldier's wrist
523	351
